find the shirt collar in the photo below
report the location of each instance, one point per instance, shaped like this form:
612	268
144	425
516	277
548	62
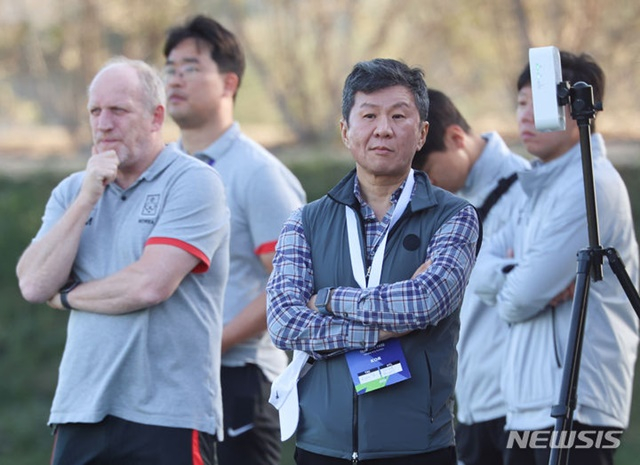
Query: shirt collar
220	147
367	211
422	197
167	156
394	197
164	159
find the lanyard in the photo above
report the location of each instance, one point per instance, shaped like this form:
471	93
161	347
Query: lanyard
355	248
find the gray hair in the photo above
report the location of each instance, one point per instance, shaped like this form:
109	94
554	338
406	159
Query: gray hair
380	73
153	91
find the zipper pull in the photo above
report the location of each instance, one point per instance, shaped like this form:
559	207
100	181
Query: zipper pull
354	458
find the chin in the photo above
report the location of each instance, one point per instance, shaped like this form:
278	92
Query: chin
181	118
533	149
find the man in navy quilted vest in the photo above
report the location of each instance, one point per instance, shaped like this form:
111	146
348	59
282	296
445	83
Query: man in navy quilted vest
366	290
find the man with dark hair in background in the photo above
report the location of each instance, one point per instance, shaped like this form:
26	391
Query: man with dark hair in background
203	70
539	248
483	170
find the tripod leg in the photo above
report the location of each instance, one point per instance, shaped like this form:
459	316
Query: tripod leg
616	264
563	411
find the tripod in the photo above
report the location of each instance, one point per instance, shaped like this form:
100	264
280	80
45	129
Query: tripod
590	261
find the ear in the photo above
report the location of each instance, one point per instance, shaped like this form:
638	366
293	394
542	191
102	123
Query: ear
454	137
344	132
424	130
231	83
158	117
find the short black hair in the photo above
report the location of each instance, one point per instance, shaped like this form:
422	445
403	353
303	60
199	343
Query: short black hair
442	114
575	68
380	73
226	50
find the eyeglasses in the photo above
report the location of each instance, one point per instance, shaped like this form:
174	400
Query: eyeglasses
188	71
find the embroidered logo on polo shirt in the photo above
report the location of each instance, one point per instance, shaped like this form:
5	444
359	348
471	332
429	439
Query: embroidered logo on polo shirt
151	204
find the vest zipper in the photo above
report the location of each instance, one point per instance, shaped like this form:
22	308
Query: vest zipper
354	456
426	356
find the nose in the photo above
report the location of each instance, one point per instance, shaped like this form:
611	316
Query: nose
383	127
174	78
171	79
103	122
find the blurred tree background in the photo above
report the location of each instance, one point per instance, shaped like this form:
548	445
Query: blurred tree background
299	52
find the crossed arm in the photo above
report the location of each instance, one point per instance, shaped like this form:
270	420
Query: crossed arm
45	266
542	273
362	317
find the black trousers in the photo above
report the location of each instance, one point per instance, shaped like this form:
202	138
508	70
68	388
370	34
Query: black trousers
115	441
481	443
251	423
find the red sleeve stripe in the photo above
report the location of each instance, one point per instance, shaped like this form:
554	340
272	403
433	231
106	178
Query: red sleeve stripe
201	267
267	247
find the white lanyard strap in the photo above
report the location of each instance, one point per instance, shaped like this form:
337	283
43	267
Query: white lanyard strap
355	248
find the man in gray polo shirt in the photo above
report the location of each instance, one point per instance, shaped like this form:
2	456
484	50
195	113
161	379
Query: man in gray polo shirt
142	234
204	67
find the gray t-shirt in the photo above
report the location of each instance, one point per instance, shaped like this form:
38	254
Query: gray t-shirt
159	365
261	193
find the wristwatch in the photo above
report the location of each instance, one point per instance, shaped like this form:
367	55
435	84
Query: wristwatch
71	285
322	300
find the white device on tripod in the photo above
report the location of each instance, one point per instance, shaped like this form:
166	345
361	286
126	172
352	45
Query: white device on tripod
546	74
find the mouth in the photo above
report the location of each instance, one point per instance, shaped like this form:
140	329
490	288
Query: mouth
525	135
381	149
176	98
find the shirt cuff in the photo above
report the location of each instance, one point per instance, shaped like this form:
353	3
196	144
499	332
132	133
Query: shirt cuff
344	302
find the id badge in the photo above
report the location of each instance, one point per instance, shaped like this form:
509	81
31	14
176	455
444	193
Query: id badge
377	368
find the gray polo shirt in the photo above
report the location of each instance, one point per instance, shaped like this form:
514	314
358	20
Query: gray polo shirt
153	366
261	193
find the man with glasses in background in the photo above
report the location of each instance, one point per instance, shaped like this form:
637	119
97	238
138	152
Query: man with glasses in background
203	71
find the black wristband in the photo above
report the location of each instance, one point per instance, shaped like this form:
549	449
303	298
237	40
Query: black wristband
65	291
507	269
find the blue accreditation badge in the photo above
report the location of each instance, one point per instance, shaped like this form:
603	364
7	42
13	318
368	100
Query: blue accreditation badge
379	367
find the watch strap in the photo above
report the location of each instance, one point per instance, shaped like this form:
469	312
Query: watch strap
322	300
64	292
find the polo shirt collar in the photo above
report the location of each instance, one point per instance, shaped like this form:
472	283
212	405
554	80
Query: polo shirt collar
220	147
167	156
